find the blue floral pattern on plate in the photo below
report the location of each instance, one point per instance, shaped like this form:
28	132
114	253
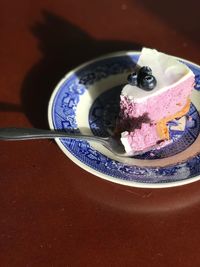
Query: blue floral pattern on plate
102	116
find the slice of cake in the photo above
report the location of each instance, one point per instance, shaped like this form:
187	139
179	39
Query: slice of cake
158	92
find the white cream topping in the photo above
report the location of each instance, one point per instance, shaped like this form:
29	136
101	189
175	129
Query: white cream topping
166	69
125	142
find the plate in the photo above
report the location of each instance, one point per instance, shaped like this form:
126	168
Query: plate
86	100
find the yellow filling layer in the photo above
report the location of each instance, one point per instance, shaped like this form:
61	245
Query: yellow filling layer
161	126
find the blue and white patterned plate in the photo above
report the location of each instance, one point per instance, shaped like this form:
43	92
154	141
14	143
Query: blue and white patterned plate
87	100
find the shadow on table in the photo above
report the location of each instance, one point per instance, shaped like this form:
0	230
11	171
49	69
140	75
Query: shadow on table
64	46
4	106
137	200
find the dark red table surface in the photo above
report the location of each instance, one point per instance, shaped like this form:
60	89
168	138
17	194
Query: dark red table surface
52	213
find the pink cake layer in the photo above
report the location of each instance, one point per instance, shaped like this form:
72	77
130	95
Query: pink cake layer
158	106
142	138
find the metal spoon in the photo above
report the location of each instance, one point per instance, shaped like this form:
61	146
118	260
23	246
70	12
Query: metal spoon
112	144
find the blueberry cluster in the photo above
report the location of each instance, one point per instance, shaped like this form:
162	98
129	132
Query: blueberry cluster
143	79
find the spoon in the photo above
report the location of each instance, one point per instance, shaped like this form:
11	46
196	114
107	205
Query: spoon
10	134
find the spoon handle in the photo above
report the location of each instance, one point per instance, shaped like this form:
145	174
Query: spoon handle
9	134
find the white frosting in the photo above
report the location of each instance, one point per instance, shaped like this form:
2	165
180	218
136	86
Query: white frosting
166	69
125	142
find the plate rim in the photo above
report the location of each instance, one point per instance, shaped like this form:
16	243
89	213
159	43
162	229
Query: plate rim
90	169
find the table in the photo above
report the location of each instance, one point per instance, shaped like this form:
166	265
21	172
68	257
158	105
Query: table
52	213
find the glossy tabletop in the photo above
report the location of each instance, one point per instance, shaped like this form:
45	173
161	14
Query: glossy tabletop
53	213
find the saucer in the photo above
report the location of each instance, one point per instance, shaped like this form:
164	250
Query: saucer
87	100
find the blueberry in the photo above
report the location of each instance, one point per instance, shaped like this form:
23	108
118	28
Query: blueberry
147	82
132	79
145	70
